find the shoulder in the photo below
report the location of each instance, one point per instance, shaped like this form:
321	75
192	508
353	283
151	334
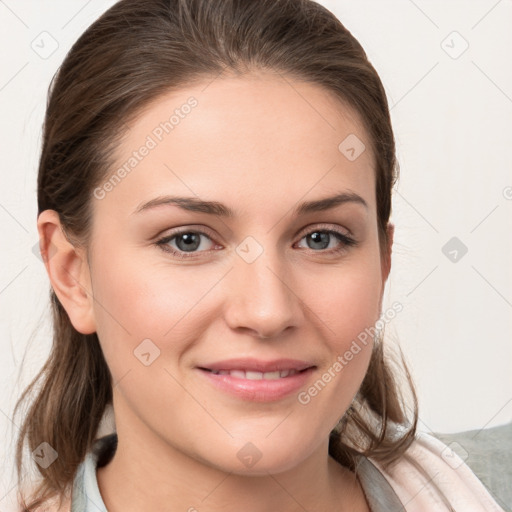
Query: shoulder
431	476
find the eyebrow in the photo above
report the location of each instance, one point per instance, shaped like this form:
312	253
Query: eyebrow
221	210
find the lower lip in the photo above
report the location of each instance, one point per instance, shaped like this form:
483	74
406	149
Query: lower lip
261	390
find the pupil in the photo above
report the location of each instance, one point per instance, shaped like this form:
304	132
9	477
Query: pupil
191	241
320	238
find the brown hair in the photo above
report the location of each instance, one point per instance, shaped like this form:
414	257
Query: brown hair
135	52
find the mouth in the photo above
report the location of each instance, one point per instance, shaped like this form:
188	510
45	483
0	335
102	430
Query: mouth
258	381
255	375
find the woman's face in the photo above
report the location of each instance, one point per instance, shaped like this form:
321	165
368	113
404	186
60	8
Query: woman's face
180	291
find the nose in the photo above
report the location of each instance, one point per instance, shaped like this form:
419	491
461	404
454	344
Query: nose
262	298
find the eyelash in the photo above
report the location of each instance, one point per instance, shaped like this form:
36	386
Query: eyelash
345	240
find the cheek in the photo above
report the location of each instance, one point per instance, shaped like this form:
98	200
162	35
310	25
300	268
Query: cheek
138	300
350	302
349	312
348	317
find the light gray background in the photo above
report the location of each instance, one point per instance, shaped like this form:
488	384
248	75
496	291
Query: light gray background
452	116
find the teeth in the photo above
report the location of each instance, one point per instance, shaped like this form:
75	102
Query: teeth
251	375
272	375
254	375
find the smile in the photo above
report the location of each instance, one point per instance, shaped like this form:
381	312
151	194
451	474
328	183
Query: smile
257	386
252	375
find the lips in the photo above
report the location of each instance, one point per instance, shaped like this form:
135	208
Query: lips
258	380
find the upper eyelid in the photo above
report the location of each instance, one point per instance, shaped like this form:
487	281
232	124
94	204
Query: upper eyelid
187	229
323	227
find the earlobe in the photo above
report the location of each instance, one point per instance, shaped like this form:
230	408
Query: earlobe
68	270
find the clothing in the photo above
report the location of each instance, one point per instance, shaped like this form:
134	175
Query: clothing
430	477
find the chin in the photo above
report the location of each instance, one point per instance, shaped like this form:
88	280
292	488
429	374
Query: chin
257	458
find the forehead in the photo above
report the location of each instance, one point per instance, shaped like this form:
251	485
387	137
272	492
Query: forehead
247	138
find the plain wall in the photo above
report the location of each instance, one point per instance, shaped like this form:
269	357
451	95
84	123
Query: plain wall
452	116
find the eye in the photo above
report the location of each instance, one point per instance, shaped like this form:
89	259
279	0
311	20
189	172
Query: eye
321	239
186	243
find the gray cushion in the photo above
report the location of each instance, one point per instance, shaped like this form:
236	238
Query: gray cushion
488	453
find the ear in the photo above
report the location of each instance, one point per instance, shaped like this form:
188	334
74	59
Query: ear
68	270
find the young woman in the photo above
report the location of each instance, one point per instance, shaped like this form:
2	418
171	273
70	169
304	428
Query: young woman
214	197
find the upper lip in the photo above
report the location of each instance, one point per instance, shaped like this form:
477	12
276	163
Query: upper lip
257	365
